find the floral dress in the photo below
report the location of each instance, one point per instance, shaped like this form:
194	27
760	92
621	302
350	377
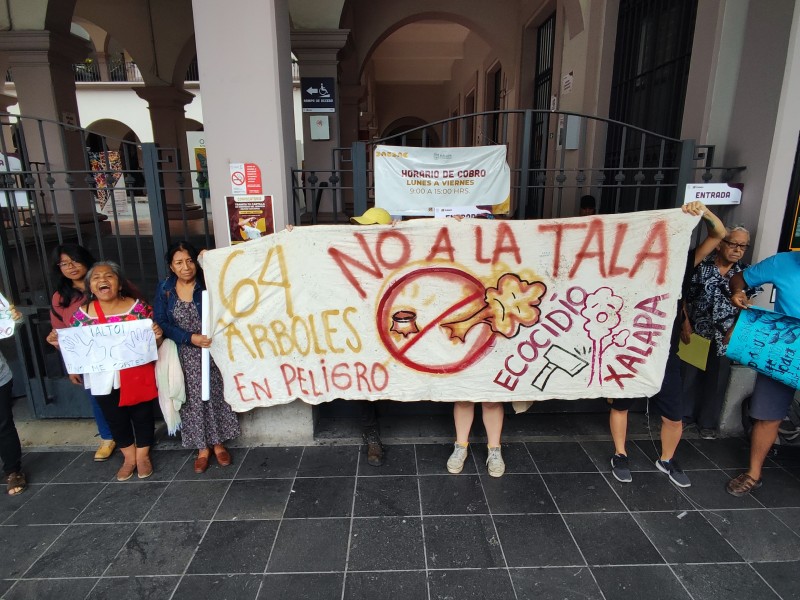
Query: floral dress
708	301
203	424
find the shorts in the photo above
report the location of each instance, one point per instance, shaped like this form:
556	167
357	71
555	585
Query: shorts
668	402
770	400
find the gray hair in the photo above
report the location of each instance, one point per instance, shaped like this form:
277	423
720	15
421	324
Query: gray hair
116	269
730	230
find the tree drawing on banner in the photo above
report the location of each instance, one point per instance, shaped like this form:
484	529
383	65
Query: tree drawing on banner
602	313
507	307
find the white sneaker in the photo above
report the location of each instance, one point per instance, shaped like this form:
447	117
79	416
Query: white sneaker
494	463
455	464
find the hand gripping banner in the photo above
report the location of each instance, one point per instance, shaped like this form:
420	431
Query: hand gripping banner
437	309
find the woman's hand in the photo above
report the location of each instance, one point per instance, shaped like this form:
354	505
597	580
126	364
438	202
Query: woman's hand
695	208
52	338
739	300
76	379
157	331
686	332
201	341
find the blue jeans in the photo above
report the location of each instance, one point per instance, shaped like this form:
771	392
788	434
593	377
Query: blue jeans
102	425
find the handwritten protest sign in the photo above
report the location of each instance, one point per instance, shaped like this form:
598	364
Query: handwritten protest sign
768	342
437	309
6	320
108	346
416	181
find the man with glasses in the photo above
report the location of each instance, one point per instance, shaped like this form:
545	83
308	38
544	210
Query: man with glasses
771	399
711	315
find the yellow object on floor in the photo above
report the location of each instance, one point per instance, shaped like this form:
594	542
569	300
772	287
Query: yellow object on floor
105	450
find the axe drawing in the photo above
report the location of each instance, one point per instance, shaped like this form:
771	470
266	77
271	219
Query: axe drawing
558	358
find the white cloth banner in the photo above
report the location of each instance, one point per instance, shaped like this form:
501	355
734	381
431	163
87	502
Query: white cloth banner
107	346
438	309
416	181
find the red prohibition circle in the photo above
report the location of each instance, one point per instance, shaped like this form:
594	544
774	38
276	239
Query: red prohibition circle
237	177
479	342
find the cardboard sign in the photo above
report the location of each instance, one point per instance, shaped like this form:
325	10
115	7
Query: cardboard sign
107	346
768	342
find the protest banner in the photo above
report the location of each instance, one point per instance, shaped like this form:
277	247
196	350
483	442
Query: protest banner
416	181
768	342
107	346
438	309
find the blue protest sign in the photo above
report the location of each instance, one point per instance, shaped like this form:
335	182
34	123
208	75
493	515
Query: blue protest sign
768	342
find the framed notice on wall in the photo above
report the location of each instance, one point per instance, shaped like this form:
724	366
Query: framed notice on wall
790	232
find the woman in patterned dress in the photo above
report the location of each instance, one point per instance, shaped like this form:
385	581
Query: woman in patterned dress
177	309
125	397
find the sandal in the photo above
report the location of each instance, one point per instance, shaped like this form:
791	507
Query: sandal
16	483
743	484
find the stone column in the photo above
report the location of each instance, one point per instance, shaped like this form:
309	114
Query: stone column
41	65
168	118
248	117
316	52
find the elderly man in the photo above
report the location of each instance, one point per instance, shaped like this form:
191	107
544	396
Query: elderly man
771	399
711	315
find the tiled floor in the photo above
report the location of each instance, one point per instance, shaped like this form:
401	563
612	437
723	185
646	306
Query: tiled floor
318	523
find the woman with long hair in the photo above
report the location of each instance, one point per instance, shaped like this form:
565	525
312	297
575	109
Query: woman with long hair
70	262
126	397
177	305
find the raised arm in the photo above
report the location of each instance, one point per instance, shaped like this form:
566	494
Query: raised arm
715	228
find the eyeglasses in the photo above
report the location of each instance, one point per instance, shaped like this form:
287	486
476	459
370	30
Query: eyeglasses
742	247
67	264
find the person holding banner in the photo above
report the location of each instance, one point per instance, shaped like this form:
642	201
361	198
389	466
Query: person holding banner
771	399
178	310
711	315
669	399
10	447
70	264
126	397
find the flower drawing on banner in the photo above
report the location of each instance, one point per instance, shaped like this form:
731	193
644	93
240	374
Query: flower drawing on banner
602	313
507	307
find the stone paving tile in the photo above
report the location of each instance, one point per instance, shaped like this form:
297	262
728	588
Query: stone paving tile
318	523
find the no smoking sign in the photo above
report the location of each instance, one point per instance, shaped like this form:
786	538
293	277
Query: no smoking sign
245	179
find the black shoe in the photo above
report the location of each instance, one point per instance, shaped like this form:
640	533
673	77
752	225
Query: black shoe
708	433
620	468
374	447
676	474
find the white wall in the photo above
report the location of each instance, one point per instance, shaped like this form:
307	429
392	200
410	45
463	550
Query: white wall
122	104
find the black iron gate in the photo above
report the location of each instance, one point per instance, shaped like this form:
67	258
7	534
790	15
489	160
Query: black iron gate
120	200
654	176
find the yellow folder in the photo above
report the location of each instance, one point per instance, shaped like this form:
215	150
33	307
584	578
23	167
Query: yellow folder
695	352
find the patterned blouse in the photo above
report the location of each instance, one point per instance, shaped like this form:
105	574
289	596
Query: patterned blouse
140	310
708	301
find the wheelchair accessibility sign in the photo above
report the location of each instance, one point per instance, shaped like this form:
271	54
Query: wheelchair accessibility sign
318	94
